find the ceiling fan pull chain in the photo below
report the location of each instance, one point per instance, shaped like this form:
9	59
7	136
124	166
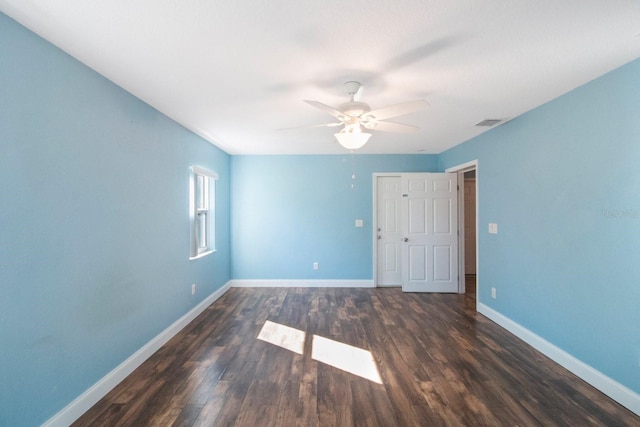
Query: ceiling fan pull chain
353	170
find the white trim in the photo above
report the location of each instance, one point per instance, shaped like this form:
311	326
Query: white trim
471	165
202	254
202	171
621	394
93	394
301	283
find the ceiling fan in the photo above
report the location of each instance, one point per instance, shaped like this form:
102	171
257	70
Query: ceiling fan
357	116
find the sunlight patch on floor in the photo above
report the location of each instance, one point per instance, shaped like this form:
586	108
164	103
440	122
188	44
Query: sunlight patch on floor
346	357
339	355
283	336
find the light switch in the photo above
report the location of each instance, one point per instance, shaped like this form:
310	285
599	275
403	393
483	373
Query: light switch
493	228
359	223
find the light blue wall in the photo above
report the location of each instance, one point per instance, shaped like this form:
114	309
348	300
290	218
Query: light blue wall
563	184
292	211
94	226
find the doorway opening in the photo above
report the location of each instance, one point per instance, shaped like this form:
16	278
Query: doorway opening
468	203
469	231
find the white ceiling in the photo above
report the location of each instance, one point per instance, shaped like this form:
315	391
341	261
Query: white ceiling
236	71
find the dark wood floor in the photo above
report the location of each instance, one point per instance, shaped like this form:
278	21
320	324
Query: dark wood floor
470	284
440	362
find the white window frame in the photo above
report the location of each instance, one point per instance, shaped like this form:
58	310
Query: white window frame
202	191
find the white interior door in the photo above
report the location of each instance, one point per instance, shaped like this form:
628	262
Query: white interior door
388	233
429	232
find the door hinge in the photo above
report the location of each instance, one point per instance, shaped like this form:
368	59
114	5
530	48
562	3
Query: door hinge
458	187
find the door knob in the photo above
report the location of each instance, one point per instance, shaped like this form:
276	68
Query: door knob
406	239
379	237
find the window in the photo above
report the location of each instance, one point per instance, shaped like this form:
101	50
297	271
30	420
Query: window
202	212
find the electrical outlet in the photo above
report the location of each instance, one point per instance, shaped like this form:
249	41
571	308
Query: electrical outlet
315	265
493	293
193	289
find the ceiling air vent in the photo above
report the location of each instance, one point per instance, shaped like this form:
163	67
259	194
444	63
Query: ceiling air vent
489	122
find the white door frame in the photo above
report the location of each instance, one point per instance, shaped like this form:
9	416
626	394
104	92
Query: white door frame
460	170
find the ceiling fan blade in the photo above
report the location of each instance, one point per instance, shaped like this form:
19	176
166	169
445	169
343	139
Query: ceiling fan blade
390	127
326	108
397	110
328	125
323	125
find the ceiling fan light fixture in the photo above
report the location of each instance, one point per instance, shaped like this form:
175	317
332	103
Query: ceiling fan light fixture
352	140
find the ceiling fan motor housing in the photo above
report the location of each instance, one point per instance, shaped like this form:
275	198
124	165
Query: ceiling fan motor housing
354	108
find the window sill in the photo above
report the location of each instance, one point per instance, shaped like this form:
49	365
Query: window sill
202	255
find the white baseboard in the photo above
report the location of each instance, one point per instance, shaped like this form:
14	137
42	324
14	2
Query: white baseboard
93	394
301	283
621	394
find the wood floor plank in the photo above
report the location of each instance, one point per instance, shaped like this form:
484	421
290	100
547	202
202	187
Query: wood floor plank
212	408
441	364
187	416
287	404
234	399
